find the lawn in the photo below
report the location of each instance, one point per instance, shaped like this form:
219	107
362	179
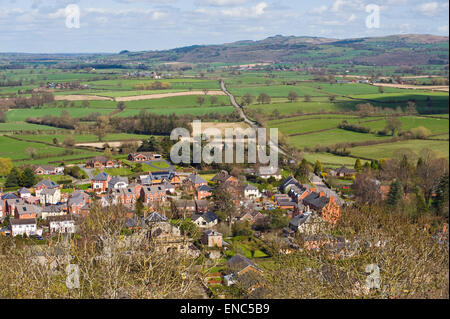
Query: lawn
387	150
23	126
180	111
332	137
17	115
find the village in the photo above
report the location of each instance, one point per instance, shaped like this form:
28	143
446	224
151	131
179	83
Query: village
182	211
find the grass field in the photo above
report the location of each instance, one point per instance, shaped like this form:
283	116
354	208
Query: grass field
389	149
84	138
23	126
21	115
180	111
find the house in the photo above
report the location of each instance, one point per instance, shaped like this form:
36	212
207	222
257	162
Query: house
11	203
53	210
201	206
50	196
24	193
297	223
143	157
26	211
327	207
153	193
287	183
269	171
203	192
212	238
64	224
207	220
251	216
117	182
23	226
160	177
44	184
170	188
195	181
48	170
76	202
251	192
245	272
345	172
185	206
298	192
287	204
100	182
99	162
124	195
224	177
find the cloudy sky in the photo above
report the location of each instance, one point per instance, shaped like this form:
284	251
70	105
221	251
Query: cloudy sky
114	25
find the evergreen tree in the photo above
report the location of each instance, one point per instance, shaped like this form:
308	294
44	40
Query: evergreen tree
317	168
358	165
13	179
442	197
27	178
395	193
302	172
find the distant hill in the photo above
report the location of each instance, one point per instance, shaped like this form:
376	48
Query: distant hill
396	50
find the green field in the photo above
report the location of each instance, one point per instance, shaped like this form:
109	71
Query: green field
84	138
388	150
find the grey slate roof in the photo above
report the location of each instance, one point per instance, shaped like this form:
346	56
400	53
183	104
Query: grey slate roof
47	183
102	176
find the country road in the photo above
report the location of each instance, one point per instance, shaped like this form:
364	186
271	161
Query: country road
273	146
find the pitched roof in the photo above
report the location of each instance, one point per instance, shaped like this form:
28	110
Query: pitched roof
23	221
47	183
100	159
27	209
300	219
24	190
185	203
239	262
250	187
9	196
196	179
155	217
117	179
314	199
102	176
222	176
204	188
208	217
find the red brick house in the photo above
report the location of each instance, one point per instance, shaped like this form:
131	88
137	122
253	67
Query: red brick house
327	207
153	193
100	182
142	157
203	192
99	162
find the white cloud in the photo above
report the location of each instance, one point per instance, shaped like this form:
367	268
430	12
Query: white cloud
319	10
429	8
443	28
239	12
221	3
337	5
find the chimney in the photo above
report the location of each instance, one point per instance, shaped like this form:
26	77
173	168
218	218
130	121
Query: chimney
321	194
332	200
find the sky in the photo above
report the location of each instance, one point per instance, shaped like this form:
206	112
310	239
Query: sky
49	26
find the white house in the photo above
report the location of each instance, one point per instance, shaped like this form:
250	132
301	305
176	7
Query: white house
50	196
62	224
117	182
207	220
269	171
251	191
26	226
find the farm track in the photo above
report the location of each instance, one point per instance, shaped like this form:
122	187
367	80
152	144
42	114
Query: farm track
253	124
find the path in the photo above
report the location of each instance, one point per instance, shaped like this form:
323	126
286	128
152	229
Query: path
253	124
